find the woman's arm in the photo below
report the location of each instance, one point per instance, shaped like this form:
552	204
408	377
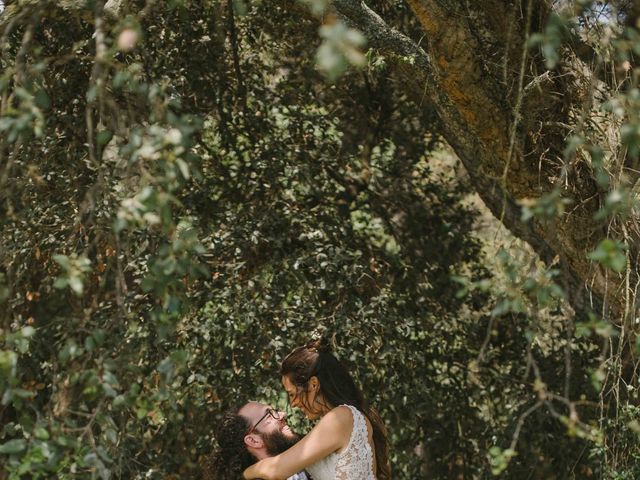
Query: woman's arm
330	434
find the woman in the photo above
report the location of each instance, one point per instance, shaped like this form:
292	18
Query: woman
348	443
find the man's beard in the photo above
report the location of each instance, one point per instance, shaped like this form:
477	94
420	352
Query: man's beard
277	442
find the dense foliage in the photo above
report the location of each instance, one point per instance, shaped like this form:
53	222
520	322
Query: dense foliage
184	198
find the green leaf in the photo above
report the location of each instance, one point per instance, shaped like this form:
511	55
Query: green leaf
76	284
89	344
239	7
111	434
62	260
41	433
99	336
92	94
610	254
42	100
61	283
103	137
28	331
13	446
184	168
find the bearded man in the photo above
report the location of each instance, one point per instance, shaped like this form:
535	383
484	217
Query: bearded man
246	434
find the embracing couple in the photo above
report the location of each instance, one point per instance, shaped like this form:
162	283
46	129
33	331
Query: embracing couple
349	442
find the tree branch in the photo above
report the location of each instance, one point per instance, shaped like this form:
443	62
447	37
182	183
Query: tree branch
452	78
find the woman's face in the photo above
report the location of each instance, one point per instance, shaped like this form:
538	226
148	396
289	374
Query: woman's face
304	400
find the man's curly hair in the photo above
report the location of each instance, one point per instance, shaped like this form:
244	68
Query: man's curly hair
231	457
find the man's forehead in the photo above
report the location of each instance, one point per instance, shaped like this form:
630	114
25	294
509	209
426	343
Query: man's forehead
251	410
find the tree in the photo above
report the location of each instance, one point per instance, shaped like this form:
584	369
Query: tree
184	199
476	61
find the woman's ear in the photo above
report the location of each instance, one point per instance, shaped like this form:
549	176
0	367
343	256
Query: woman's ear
314	384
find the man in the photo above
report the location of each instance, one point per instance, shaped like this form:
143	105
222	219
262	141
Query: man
247	434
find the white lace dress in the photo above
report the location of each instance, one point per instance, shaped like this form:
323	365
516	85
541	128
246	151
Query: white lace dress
355	462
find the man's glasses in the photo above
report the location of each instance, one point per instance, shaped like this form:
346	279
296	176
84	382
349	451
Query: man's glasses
269	413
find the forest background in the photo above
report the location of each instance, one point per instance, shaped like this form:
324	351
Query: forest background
191	188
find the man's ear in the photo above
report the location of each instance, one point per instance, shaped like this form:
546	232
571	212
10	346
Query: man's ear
253	441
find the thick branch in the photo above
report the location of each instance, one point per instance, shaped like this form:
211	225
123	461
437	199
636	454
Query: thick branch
476	110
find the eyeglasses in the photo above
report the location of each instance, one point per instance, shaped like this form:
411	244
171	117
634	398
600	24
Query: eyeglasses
269	413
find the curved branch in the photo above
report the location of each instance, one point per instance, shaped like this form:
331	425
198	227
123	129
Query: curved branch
452	75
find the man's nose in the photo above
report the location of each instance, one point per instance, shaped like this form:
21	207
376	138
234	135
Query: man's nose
282	415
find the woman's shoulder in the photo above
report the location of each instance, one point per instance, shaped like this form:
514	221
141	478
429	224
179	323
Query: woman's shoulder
344	412
339	415
348	413
339	421
352	418
346	416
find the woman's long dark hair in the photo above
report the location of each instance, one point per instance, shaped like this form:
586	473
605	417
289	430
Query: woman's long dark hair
338	388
